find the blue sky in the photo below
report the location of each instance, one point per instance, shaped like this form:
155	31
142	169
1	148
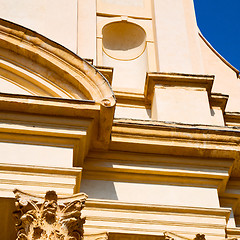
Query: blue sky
219	22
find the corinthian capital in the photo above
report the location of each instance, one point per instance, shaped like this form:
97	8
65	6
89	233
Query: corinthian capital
49	217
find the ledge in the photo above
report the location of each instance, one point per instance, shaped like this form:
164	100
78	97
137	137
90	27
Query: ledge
176	79
38	179
132	99
111	204
179	139
234	233
232	119
219	100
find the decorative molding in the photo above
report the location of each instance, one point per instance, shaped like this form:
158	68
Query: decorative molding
200	237
38	179
134	236
232	119
155	209
79	75
176	79
219	100
49	218
49	70
186	139
107	72
131	99
97	236
174	236
233	233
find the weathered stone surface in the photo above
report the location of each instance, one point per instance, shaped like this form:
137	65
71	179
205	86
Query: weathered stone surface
49	218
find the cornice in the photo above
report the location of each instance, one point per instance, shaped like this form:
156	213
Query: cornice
155	208
233	233
80	124
176	79
48	105
166	170
154	219
179	139
38	179
232	119
219	100
133	99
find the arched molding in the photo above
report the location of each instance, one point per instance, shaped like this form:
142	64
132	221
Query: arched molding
49	67
59	86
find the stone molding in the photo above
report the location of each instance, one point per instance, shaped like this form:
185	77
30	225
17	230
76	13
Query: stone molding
153	79
26	55
154	220
85	77
132	236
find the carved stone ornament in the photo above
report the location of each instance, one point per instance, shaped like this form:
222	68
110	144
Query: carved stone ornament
173	236
200	237
49	218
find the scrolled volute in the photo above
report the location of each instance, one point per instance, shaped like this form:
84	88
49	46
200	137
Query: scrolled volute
49	218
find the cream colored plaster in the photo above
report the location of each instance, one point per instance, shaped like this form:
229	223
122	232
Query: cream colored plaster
151	193
193	39
217	116
166	195
145	24
55	19
36	155
172	36
131	73
8	87
86	35
139	8
177	37
128	74
184	105
133	113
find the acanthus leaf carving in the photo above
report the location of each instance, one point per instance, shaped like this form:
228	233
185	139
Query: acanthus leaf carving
49	218
200	237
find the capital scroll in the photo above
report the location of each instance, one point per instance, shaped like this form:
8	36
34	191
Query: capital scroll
49	217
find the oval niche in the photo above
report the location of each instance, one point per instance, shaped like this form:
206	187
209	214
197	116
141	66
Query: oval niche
123	40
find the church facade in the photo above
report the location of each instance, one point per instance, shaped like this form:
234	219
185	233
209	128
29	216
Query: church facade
118	121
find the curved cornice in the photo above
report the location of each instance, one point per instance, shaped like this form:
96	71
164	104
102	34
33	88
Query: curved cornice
48	54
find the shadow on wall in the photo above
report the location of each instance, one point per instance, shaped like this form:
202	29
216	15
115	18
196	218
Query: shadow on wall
99	189
7	224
